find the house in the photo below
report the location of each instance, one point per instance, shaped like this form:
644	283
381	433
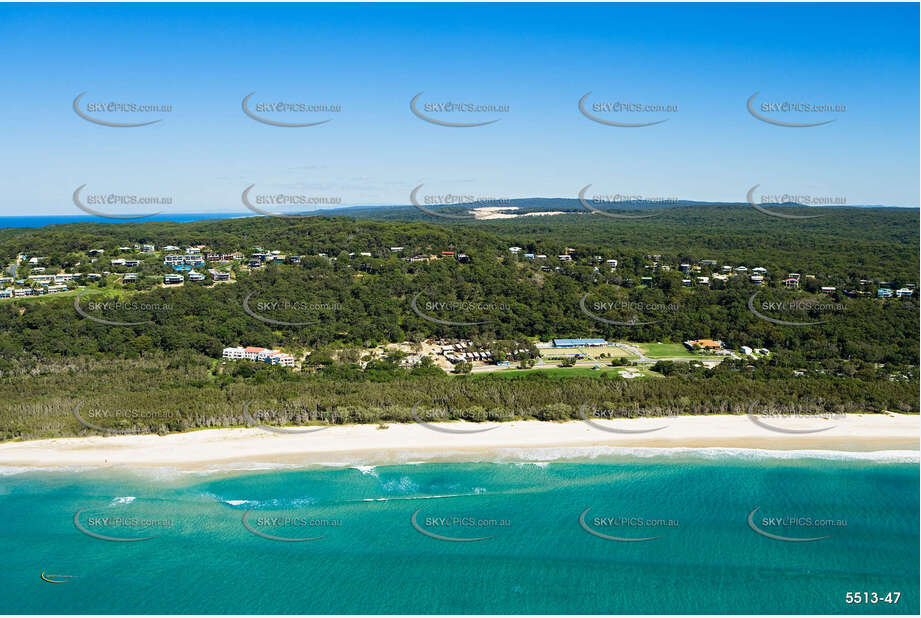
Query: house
791	282
6	293
883	293
196	276
529	256
132	263
254	264
148	248
746	350
130	278
793	276
95	252
295	259
173	260
52	289
827	290
118	262
365	254
703	280
685	268
124	249
611	263
273	357
219	275
706	344
726	269
463	258
686	282
172	279
708	262
565	258
741	269
445	254
904	293
514	249
395	249
756	279
93	276
759	270
171	248
578	343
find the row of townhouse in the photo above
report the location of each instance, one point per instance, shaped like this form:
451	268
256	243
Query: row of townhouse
23	292
889	293
183	262
265	355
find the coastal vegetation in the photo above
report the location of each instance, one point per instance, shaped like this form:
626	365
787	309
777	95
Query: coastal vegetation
162	357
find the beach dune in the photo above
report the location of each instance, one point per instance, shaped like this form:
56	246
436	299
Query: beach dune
463	441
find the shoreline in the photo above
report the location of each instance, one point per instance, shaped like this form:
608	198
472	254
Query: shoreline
859	434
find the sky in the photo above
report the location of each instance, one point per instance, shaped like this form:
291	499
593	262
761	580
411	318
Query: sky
539	60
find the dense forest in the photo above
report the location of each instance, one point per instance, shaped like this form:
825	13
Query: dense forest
858	353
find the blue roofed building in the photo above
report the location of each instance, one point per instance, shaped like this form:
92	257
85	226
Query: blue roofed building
577	343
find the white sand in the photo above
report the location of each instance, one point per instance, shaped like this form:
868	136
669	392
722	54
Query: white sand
354	444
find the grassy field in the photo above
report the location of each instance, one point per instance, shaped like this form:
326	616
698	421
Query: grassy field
567	372
668	350
89	293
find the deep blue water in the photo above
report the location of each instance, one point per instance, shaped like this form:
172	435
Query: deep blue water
703	556
41	221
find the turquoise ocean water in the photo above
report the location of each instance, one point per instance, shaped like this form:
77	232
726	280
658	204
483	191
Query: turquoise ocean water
534	556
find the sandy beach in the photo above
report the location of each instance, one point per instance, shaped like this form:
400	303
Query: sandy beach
369	444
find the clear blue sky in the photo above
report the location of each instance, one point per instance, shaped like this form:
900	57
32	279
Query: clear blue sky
537	59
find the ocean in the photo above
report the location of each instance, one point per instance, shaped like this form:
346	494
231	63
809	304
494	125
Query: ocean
43	220
673	533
